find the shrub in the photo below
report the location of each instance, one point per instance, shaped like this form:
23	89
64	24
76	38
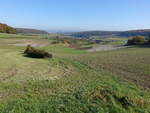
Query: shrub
54	42
67	41
137	40
148	40
130	42
35	53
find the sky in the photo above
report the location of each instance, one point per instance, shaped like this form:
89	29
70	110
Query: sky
75	15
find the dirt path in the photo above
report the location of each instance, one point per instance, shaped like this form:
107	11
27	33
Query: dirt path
106	48
33	43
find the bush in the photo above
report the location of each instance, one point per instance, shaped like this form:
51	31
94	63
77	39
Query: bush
148	40
137	40
35	53
54	42
130	42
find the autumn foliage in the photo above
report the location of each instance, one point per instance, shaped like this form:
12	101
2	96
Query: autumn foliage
4	28
36	53
137	40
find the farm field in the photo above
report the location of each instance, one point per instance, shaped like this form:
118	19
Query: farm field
74	80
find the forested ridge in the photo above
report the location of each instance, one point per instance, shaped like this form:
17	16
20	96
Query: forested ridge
4	28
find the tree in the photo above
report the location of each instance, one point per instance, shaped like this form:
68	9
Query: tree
137	40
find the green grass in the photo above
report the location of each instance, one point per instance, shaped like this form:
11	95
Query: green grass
74	81
130	63
114	41
8	36
27	36
63	49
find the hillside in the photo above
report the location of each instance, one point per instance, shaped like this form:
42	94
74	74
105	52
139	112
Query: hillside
86	34
74	80
4	28
30	31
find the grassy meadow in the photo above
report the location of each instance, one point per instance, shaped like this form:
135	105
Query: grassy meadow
74	80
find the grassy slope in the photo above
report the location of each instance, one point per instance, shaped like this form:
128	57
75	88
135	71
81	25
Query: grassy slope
8	36
73	81
130	63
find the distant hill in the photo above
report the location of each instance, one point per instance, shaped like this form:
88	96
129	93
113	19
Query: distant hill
86	34
30	31
144	32
4	28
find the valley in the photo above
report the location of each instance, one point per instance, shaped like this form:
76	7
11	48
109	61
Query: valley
74	79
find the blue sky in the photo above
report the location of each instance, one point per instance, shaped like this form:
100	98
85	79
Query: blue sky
76	14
